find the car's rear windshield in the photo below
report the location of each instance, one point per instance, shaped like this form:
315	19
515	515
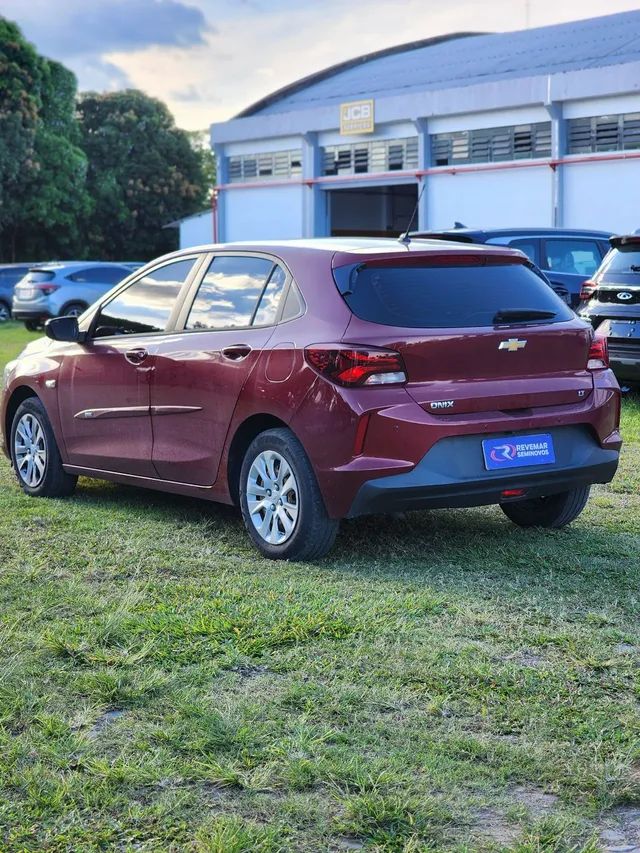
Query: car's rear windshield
625	259
34	276
449	296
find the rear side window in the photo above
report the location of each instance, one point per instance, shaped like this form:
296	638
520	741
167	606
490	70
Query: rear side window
626	259
146	304
267	309
577	257
442	297
100	275
228	295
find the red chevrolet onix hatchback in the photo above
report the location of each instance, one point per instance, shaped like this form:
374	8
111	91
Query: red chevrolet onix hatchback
310	381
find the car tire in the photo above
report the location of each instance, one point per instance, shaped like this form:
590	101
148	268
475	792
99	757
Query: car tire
553	511
31	429
5	311
296	525
73	309
32	325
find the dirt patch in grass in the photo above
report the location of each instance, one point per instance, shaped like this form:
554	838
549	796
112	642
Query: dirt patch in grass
492	825
619	830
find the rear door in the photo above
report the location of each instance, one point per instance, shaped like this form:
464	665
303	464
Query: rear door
201	370
489	337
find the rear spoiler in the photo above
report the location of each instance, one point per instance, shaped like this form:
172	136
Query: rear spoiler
445	235
624	240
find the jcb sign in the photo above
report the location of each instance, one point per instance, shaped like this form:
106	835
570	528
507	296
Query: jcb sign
356	117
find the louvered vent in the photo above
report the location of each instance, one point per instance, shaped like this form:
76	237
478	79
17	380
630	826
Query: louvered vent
490	145
604	133
264	167
382	155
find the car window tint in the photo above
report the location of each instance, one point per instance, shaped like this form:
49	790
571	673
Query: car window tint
448	296
12	274
270	300
229	292
578	257
146	304
526	246
100	275
625	259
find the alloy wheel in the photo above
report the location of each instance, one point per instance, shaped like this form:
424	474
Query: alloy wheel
30	450
5	314
272	497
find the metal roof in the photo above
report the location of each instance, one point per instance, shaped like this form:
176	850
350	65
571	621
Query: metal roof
464	60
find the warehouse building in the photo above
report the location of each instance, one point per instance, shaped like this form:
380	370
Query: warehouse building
532	128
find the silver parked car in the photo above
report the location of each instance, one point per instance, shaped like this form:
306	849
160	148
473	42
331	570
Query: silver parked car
65	288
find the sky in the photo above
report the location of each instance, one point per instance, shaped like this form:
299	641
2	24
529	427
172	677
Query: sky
209	59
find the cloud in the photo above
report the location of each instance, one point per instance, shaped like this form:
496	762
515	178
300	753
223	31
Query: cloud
209	59
72	28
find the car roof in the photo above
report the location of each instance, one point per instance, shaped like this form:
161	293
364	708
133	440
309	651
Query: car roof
53	266
349	245
457	233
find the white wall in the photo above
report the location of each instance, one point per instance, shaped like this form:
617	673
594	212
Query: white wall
263	213
602	195
490	199
196	230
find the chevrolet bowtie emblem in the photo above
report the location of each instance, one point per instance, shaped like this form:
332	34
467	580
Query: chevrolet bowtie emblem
512	345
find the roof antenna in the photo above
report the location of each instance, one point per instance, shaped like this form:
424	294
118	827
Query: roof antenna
404	237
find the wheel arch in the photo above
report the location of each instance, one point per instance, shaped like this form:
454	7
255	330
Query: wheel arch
243	436
18	396
71	302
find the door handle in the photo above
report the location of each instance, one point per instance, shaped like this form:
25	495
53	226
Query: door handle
136	356
236	352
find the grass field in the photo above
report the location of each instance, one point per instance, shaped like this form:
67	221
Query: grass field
442	682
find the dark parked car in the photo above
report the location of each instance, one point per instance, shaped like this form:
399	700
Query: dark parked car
612	305
310	381
566	257
10	275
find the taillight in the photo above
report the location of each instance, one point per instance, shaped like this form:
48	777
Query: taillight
351	366
47	289
598	354
587	290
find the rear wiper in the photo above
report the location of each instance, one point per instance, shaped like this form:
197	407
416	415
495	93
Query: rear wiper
635	267
515	314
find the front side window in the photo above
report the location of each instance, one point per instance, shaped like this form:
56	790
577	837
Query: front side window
578	257
231	293
146	304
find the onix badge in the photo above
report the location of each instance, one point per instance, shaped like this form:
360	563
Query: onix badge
512	345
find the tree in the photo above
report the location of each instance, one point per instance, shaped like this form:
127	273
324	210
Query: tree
143	173
20	80
55	201
200	142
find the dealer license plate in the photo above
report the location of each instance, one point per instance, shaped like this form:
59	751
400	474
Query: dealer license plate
518	451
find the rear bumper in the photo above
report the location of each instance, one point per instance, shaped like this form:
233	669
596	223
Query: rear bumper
626	368
452	474
19	314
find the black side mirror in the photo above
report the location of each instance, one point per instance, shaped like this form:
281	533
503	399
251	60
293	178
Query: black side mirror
63	329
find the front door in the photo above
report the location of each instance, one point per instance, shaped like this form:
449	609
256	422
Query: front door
104	388
104	406
200	371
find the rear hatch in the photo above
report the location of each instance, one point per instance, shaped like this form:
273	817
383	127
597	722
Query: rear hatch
478	332
31	286
618	282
